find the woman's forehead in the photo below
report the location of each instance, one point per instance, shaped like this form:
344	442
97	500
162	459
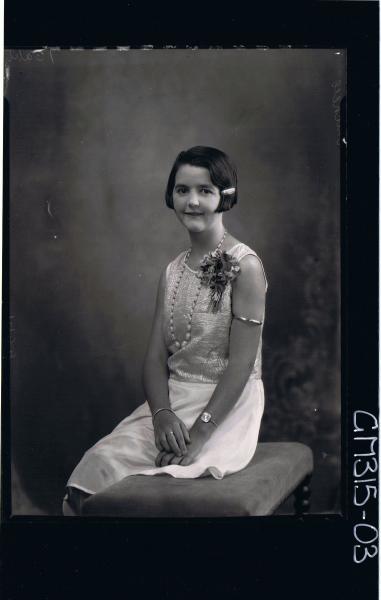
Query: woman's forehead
192	175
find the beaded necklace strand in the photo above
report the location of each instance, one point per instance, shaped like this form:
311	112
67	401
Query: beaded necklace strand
177	343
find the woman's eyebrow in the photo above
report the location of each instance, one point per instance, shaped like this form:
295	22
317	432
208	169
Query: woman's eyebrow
199	185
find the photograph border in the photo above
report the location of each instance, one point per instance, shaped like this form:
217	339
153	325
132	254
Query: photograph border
305	546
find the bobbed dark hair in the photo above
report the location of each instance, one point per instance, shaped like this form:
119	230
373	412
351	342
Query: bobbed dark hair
221	169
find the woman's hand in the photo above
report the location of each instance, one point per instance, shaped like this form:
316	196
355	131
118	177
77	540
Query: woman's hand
171	435
199	437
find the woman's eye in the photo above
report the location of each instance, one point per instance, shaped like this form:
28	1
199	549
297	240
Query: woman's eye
181	190
206	191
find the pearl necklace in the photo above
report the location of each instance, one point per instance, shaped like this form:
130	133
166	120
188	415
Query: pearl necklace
177	343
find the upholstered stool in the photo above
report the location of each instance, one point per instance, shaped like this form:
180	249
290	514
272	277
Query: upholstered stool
276	471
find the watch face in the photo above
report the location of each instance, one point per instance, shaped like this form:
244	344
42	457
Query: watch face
206	417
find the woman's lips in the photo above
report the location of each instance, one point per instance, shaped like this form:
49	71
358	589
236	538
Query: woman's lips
193	214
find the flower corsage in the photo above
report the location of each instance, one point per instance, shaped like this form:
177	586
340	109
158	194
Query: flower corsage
216	270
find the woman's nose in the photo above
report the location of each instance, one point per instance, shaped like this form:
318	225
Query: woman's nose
193	199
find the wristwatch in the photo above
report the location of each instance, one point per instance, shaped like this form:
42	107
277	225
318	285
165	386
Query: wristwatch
207	417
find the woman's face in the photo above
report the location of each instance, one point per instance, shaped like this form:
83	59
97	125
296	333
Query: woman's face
195	198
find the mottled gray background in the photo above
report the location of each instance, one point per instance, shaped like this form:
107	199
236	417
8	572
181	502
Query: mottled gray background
93	135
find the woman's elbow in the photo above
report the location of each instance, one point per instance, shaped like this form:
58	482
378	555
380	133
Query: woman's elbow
242	367
154	364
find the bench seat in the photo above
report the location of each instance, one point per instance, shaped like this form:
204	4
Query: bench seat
276	471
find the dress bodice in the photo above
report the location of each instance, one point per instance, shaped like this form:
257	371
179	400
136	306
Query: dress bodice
205	357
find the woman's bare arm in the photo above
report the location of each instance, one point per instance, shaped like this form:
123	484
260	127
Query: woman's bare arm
155	370
171	435
249	292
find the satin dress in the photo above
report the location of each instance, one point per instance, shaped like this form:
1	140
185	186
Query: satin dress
194	371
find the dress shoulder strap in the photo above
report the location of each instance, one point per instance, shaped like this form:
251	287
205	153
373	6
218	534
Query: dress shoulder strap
240	250
175	263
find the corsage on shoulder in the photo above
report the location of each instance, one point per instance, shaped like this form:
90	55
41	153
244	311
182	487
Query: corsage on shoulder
216	270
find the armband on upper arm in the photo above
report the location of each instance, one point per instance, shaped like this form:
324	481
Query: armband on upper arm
246	320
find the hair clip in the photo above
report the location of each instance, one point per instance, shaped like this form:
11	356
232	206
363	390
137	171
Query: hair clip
228	191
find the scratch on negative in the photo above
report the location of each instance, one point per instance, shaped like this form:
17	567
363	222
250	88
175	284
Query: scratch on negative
48	209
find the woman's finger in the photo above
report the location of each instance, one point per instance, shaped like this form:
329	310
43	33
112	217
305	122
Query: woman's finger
186	460
180	438
172	441
176	460
158	444
164	443
185	432
158	459
167	459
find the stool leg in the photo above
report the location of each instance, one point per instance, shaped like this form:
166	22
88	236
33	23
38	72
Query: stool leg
301	496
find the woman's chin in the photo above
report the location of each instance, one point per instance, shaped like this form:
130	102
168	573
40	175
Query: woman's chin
193	225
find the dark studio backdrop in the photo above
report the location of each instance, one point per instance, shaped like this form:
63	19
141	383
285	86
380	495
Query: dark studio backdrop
93	135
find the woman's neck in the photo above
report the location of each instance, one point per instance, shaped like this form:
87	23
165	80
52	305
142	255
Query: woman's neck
204	242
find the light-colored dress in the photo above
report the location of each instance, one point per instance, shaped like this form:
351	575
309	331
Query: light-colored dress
194	373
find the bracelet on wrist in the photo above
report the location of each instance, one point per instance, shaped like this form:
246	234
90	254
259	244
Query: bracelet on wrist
159	410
